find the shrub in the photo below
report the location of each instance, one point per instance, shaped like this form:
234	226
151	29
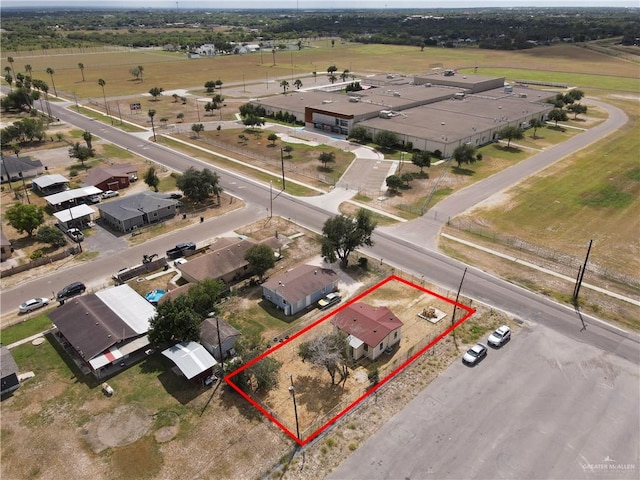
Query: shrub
36	254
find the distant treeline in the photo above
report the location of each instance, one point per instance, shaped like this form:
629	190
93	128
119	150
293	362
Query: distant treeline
487	28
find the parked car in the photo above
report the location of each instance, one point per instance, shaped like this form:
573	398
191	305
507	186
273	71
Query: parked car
109	194
475	354
180	249
70	290
75	234
501	336
329	300
94	199
33	304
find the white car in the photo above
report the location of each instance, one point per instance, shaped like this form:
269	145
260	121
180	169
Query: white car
475	354
75	234
501	336
329	300
109	194
33	304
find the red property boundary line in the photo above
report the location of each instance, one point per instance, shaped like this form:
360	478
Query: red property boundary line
470	311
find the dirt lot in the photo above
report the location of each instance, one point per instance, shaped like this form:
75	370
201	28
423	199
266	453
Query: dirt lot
317	399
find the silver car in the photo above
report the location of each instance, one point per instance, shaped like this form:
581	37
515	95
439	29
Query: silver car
475	354
33	304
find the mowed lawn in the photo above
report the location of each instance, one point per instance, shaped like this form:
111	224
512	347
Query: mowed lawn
593	195
559	63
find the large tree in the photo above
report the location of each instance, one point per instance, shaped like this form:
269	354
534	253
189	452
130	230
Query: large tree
81	152
261	259
464	153
577	109
342	234
511	132
199	185
25	218
394	183
329	351
177	320
155	92
326	157
421	159
535	123
558	115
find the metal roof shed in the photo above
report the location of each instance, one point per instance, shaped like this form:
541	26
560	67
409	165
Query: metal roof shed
191	358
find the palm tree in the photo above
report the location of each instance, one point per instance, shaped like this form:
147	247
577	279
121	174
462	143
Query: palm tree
140	70
152	113
284	84
50	72
28	69
297	84
102	83
10	60
81	67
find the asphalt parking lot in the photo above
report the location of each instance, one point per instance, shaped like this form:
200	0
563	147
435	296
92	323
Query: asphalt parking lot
543	406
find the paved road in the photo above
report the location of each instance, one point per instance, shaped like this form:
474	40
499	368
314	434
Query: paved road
409	256
543	406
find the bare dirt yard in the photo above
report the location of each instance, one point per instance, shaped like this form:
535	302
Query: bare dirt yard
318	399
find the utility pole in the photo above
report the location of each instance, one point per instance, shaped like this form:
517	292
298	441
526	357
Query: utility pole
581	271
295	406
271	199
26	193
455	307
282	162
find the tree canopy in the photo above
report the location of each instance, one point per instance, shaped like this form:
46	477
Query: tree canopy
464	153
151	178
261	259
511	132
329	351
198	186
342	234
421	159
51	235
178	320
25	218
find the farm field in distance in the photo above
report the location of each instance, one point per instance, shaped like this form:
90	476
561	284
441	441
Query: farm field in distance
68	427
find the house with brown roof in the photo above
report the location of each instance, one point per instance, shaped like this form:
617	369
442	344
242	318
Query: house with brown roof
225	261
370	329
114	177
216	333
106	331
299	288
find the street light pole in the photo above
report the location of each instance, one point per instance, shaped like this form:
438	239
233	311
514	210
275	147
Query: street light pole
26	193
270	199
295	406
282	162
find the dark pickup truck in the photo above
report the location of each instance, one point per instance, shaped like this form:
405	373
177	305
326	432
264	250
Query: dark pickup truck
180	249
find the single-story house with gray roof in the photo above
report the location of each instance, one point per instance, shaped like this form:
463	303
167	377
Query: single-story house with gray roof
215	332
12	167
299	288
134	211
8	371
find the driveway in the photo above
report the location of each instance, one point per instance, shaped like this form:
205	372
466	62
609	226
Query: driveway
543	406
